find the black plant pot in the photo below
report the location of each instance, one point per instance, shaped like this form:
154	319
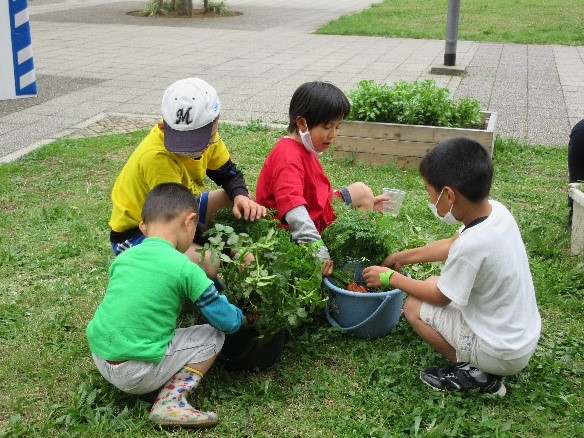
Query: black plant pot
241	351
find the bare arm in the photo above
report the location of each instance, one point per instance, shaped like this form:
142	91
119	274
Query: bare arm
432	252
424	290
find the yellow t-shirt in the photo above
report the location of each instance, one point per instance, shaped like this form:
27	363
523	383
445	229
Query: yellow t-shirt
150	165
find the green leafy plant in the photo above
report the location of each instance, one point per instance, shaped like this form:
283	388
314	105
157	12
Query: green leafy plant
92	406
356	239
358	235
158	7
365	238
281	288
217	7
412	103
181	8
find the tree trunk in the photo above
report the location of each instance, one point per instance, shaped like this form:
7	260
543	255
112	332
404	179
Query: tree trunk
184	8
206	5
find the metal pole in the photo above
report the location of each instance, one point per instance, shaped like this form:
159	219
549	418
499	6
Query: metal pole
451	32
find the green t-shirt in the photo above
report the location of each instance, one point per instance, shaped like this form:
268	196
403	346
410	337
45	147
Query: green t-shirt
138	315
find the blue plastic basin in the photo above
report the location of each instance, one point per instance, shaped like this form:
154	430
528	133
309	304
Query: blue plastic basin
366	315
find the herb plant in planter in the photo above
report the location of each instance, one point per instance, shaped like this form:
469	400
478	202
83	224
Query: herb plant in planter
412	103
399	123
280	290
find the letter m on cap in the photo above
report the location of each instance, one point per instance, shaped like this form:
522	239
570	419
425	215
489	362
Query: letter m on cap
184	116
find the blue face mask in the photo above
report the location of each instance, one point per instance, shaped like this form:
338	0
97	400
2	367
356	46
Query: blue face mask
448	218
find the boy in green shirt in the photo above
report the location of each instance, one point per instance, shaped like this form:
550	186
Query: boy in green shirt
133	336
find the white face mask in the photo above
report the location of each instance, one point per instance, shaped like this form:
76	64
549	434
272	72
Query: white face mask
307	141
448	218
193	155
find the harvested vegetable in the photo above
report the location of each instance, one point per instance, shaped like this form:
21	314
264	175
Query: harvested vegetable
355	287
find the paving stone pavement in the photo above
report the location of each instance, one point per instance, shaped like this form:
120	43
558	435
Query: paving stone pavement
114	124
100	70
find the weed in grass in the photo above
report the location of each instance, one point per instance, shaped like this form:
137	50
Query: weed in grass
85	408
256	125
543	245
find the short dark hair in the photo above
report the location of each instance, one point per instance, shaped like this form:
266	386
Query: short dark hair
167	201
318	102
460	163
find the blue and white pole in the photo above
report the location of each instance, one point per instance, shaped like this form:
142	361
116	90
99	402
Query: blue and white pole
17	77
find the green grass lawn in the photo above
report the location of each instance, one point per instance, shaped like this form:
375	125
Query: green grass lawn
54	256
510	21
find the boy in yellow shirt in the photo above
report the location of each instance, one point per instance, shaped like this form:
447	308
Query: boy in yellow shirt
183	148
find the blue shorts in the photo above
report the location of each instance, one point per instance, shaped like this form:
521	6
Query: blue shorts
128	243
202	199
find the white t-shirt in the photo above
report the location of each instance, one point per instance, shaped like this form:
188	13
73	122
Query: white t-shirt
487	276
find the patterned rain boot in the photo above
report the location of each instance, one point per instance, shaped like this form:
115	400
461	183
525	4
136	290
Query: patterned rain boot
171	407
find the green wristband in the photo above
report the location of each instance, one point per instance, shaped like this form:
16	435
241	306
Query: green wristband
385	276
316	244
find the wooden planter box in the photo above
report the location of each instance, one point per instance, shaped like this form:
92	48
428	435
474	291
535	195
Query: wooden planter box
577	246
404	145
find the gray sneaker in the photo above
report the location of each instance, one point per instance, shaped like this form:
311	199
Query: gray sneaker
462	377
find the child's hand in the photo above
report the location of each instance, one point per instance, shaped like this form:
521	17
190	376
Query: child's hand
248	209
378	202
327	267
393	261
371	275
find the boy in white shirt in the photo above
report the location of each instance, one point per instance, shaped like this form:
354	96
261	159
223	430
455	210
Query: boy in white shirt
481	312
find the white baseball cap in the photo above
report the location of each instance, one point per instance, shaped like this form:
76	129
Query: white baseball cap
189	108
